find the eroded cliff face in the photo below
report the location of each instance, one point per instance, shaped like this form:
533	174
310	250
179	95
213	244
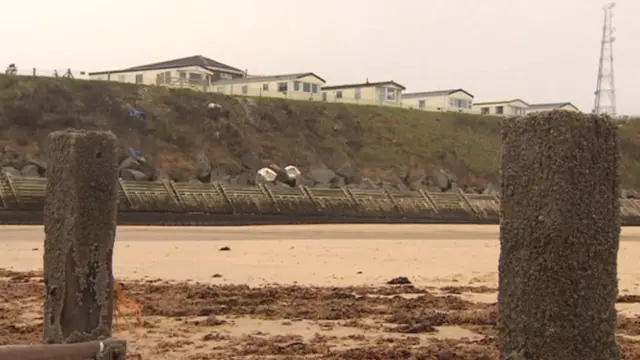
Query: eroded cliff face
190	136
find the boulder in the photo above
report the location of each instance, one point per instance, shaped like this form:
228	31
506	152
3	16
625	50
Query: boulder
629	194
131	163
287	175
11	171
281	174
30	170
220	175
276	168
266	176
292	172
491	190
305	181
454	187
40	164
321	176
10	153
449	174
143	167
337	182
204	177
203	168
348	172
11	158
246	178
414	177
132	174
440	179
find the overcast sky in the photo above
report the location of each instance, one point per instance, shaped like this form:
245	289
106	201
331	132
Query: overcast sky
539	51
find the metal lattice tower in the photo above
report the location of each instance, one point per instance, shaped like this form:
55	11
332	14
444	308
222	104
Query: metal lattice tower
605	94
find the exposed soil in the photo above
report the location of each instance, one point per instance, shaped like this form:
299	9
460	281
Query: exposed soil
200	321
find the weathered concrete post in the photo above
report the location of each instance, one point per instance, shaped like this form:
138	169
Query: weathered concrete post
559	236
80	223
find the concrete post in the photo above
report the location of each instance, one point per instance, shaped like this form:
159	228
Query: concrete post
559	237
80	223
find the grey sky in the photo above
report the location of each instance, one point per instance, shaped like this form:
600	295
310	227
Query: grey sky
540	51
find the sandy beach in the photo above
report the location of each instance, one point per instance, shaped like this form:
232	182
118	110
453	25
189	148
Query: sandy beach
315	291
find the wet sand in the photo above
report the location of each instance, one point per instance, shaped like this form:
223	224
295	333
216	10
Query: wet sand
298	292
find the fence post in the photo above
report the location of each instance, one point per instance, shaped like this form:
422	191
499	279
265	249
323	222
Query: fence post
2	192
635	205
14	190
393	201
467	203
171	189
126	194
306	191
220	189
265	190
349	195
80	211
429	200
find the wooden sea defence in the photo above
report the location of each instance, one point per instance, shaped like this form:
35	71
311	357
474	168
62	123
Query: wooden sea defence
23	194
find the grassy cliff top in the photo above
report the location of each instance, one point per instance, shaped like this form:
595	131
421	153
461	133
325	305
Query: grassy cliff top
383	144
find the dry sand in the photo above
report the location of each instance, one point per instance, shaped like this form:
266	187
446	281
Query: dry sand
322	255
450	307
